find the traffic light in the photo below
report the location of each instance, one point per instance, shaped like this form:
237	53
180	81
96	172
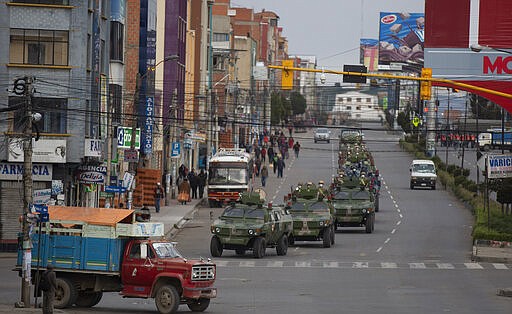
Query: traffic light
287	76
426	86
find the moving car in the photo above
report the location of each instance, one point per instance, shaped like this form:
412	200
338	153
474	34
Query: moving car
423	173
322	134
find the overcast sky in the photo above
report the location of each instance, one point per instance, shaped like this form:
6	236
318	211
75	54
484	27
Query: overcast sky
330	29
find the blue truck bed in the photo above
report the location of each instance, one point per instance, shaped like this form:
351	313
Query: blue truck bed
77	252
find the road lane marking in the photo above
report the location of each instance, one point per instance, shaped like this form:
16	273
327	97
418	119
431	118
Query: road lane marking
417	265
247	264
379	249
401	216
473	266
387	240
499	266
331	265
221	263
388	265
398	209
360	265
390	196
398	223
275	264
393	231
445	266
302	264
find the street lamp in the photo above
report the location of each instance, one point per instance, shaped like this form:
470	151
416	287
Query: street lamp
139	79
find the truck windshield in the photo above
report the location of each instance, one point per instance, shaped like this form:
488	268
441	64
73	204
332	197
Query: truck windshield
298	206
166	250
423	168
319	207
227	176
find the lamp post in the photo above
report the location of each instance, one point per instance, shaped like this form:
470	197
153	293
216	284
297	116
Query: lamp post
134	164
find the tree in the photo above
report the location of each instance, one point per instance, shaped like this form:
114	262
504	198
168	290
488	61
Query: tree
298	103
280	108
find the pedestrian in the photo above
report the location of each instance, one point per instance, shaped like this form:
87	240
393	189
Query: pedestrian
184	192
257	151
264	175
274	163
194	182
290	142
290	129
201	182
258	166
159	193
270	153
280	167
296	149
48	285
263	154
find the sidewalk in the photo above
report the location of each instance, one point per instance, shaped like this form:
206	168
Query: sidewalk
492	251
175	215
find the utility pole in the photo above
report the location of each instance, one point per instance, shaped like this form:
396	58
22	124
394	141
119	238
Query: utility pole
27	195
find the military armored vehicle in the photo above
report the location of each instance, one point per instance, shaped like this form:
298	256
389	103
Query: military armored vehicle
312	214
354	205
251	225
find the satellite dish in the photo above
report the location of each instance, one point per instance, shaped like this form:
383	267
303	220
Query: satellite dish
263	194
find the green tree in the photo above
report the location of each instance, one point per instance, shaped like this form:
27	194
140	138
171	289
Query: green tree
298	103
280	108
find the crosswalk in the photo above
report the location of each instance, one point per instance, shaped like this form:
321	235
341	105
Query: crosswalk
361	265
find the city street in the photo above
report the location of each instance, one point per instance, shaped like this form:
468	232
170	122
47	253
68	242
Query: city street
416	261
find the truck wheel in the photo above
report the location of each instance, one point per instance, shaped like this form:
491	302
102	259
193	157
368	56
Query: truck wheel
487	147
333	235
411	186
377	204
198	305
240	252
65	294
291	240
88	299
282	245
368	224
259	247
167	299
327	237
215	247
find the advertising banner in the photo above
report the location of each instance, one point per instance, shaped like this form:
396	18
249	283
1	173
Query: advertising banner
14	172
499	166
40	197
369	53
401	38
43	150
124	137
147	138
91	174
93	148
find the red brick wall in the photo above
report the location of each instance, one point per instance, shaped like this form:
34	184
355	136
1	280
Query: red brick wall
131	58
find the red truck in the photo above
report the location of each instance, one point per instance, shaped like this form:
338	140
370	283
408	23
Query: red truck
96	250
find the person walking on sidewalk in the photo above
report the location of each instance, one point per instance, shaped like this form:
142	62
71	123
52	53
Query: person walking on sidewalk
258	166
184	192
48	285
263	154
264	175
201	182
194	182
159	193
280	167
296	149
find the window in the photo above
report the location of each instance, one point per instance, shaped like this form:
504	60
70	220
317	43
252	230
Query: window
220	37
116	41
358	99
349	99
349	107
358	108
368	100
42	47
62	2
53	111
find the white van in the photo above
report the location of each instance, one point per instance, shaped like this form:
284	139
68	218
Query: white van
423	173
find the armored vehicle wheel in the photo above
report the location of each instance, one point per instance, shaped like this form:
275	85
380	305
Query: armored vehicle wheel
370	224
198	305
327	237
282	245
377	203
291	240
333	235
167	299
411	186
65	294
88	299
215	247
259	246
240	251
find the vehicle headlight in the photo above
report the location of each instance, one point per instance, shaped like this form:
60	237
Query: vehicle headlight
321	223
217	230
414	178
364	211
251	232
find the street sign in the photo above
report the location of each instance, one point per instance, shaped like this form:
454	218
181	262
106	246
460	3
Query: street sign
106	194
416	122
176	149
115	189
147	139
354	69
499	166
124	137
131	155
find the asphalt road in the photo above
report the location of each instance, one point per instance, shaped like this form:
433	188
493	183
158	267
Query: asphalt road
416	261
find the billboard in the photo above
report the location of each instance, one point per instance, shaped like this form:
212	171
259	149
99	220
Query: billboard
401	37
369	53
454	28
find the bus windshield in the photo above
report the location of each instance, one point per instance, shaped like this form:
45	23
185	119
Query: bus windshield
227	176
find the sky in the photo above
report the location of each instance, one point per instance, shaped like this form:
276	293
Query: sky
330	29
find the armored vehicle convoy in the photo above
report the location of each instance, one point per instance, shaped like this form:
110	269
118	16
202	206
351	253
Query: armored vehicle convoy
312	215
354	205
251	225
